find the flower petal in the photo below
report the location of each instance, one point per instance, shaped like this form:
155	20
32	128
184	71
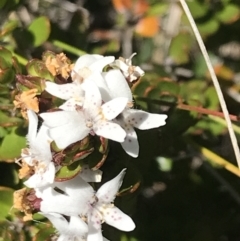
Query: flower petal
42	177
113	108
41	145
92	95
94	229
98	79
57	118
101	63
70	105
64	91
118	85
59	222
89	175
32	127
85	61
144	120
130	144
116	218
69	127
110	130
64	199
76	227
107	192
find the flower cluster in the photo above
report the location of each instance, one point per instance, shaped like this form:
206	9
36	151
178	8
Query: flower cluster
75	112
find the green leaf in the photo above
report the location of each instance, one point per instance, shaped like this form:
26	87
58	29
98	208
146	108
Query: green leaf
140	87
6	55
211	98
209	27
40	29
6	201
7	121
8	27
229	14
11	145
197	9
11	4
44	234
147	48
2	3
68	172
157	9
180	48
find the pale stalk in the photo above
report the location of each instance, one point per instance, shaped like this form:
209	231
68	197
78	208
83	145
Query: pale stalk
215	81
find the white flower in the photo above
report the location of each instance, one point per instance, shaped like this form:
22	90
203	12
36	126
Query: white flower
71	197
130	118
117	85
89	175
103	210
38	155
88	64
142	120
73	229
131	72
72	92
67	127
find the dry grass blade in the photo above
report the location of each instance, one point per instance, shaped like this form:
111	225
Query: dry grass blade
215	81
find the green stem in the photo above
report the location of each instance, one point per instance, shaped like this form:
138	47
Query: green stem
223	122
68	48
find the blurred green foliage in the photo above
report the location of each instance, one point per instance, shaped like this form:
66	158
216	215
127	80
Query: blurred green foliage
182	195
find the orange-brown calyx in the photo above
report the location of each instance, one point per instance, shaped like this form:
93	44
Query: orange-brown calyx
59	64
26	201
25	170
27	100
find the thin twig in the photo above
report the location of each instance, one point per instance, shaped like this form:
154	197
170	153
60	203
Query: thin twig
215	81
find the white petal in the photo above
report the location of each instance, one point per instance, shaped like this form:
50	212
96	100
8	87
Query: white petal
110	130
94	220
32	126
116	218
41	145
76	227
69	127
67	134
104	239
94	234
113	108
107	192
118	85
59	222
92	95
86	60
101	63
98	79
42	178
130	144
122	65
89	175
57	118
144	120
72	200
70	105
64	91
